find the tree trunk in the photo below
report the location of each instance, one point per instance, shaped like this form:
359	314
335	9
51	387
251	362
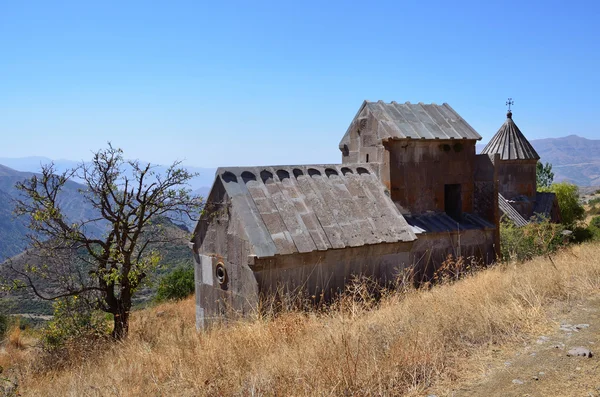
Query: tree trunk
121	322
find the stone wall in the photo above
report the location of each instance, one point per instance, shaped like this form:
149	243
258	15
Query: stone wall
419	170
517	178
431	249
224	282
325	273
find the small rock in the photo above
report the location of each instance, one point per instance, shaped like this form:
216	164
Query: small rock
582	326
517	381
578	369
533	354
541	373
535	377
580	351
559	346
160	314
567	329
507	363
542	339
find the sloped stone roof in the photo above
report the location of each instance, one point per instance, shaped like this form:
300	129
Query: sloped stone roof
510	143
510	212
409	120
437	222
305	208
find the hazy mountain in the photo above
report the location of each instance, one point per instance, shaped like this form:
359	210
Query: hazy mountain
175	252
13	230
573	158
203	181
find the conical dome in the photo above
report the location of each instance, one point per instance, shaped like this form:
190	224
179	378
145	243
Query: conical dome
510	143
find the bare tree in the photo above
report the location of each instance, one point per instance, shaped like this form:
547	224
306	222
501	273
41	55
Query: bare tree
128	198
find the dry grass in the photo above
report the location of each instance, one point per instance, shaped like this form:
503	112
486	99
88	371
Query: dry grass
410	341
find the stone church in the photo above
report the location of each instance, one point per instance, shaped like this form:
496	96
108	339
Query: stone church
409	191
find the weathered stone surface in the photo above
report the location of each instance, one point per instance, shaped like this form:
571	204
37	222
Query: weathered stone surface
580	351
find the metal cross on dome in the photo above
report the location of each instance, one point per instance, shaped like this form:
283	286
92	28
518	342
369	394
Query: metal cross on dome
510	102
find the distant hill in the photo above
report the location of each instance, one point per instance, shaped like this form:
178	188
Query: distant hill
13	230
174	252
13	233
574	159
199	184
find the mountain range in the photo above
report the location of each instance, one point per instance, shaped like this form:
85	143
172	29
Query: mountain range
200	184
573	158
14	229
13	241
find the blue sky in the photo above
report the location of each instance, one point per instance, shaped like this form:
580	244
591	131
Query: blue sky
245	83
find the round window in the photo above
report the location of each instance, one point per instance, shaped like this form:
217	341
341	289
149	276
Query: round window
221	274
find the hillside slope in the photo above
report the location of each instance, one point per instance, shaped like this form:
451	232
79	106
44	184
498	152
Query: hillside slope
173	252
573	158
70	201
431	341
12	230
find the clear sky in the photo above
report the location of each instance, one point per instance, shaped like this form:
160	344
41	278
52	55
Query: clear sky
245	83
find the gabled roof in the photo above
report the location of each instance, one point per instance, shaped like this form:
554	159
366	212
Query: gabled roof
407	120
510	212
305	208
510	143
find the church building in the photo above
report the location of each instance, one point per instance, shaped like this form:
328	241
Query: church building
410	190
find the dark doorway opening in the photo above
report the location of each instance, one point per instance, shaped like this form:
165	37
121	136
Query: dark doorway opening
453	201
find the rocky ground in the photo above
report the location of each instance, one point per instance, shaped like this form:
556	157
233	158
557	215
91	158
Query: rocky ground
565	361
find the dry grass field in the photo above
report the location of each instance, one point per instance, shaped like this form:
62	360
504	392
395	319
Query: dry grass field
409	343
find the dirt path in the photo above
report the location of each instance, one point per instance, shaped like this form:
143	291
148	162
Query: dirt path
541	367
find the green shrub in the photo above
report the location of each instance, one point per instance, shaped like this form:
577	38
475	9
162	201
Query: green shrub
179	284
539	237
593	229
5	323
74	319
544	174
582	234
571	209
